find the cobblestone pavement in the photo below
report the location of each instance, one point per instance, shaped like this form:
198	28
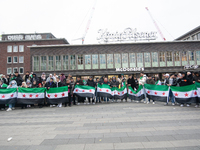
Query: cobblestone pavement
102	126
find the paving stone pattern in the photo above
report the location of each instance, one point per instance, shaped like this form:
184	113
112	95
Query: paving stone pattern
120	126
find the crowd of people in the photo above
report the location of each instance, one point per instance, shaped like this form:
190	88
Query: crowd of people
31	80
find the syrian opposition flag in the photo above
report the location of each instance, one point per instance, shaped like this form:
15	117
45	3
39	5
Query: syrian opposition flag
104	90
157	92
119	93
198	89
185	94
84	91
57	95
136	95
8	96
30	95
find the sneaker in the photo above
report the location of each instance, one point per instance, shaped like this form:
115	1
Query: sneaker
188	105
181	105
54	105
78	103
173	104
9	109
166	104
84	103
147	102
88	103
93	103
137	101
13	108
153	103
51	105
196	106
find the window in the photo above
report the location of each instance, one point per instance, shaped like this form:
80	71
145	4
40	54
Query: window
15	60
51	63
21	59
43	63
139	59
15	48
177	59
21	48
162	59
169	59
9	71
198	36
72	62
109	60
184	58
36	63
102	61
87	61
9	49
198	57
21	70
147	60
194	37
65	62
9	59
117	58
154	58
15	69
125	60
95	61
80	61
132	59
58	62
191	57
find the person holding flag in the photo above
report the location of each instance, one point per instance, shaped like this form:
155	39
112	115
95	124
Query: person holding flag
58	84
142	81
49	85
114	83
108	83
90	82
150	80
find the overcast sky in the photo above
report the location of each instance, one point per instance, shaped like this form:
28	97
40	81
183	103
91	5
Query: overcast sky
68	18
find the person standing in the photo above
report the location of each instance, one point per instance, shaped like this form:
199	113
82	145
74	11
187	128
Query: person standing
49	85
98	99
79	82
196	78
68	84
142	81
58	84
18	78
108	83
90	82
150	80
72	95
114	83
26	77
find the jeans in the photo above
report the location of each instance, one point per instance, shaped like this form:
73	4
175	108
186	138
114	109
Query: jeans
105	99
149	100
11	105
170	95
145	96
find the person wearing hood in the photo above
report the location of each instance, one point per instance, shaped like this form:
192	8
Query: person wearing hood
58	84
79	82
72	89
29	84
131	82
27	76
142	81
13	84
49	85
50	76
35	85
4	79
18	78
62	78
43	77
150	80
24	86
68	84
108	83
114	83
184	81
34	78
90	82
196	77
3	85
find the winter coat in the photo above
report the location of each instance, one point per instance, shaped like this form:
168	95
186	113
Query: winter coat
106	82
14	84
131	82
69	87
174	82
59	84
91	83
184	81
18	79
196	78
26	77
114	83
150	81
35	79
52	85
80	82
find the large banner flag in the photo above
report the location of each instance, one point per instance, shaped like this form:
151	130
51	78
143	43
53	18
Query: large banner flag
84	91
185	94
57	95
198	89
119	93
8	96
104	90
157	92
30	95
136	95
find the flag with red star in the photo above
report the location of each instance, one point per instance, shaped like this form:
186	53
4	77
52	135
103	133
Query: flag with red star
57	95
84	91
30	95
185	94
8	96
136	95
198	90
157	92
104	90
119	93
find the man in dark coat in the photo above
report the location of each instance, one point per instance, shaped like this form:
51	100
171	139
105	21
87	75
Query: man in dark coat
150	80
79	82
34	78
131	82
114	83
90	82
50	84
196	77
105	81
69	92
18	78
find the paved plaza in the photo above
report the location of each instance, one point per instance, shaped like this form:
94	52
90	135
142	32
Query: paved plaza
102	126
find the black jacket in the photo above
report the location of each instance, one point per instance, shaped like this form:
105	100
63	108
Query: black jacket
196	78
18	79
184	81
106	83
114	83
131	82
35	79
80	82
69	87
59	84
91	83
51	86
174	83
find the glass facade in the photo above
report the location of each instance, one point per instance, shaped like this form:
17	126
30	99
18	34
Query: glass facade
154	58
184	58
51	63
72	62
169	59
65	62
87	61
102	61
191	57
177	59
162	59
43	64
117	58
125	60
95	62
58	63
36	63
109	60
147	60
140	60
198	57
80	61
132	59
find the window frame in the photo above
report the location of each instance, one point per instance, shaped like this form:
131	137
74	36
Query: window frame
14	59
19	70
11	49
23	59
19	48
14	48
14	69
11	60
10	72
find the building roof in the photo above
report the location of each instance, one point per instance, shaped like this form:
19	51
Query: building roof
188	33
30	34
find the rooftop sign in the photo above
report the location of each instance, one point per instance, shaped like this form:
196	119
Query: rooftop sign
127	35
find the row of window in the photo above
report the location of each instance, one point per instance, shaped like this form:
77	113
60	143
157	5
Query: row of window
15	59
194	37
109	61
14	48
13	70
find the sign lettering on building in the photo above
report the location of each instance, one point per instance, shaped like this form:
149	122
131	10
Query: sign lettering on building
186	67
130	69
127	35
24	37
